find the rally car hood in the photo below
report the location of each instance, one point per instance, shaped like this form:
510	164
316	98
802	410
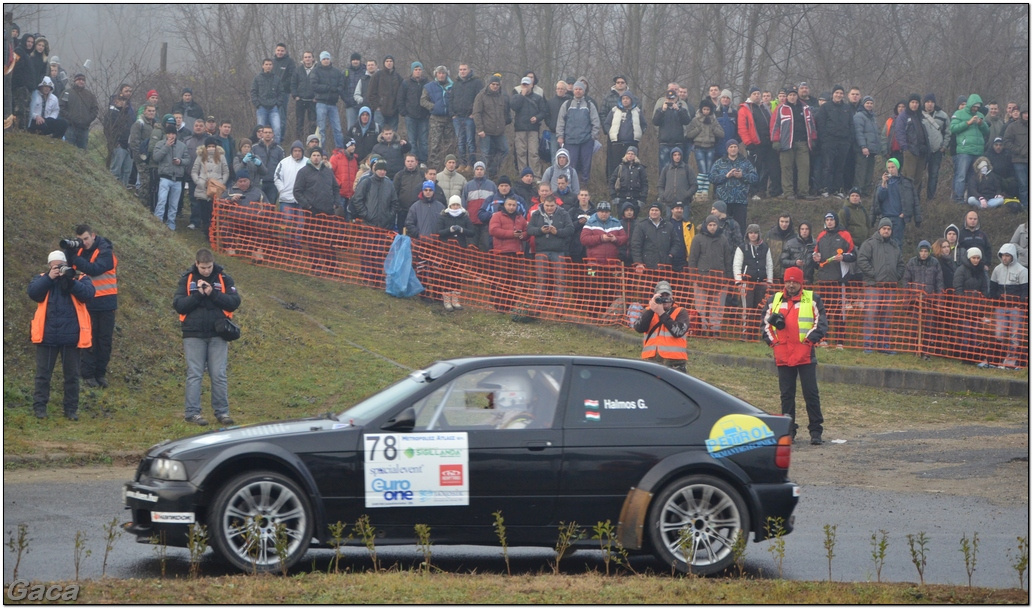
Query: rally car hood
247	433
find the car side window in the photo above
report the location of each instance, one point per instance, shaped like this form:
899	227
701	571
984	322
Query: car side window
602	396
500	397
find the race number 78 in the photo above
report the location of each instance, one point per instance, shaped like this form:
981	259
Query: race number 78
390	449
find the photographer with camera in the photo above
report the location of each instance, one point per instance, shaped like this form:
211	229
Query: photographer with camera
205	300
794	322
61	325
664	326
93	255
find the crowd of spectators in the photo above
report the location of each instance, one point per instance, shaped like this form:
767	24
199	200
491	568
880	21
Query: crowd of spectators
448	179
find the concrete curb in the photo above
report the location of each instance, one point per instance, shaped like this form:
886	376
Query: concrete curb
887	378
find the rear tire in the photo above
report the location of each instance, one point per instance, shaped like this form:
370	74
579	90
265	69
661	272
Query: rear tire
267	499
709	511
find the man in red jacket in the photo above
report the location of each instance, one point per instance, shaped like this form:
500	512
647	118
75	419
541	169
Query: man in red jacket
793	323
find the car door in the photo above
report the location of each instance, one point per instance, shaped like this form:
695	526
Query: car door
486	440
619	422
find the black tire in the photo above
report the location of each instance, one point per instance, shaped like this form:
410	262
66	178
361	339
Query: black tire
270	498
715	514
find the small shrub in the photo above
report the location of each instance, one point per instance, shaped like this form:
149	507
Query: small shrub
80	552
423	544
365	531
879	545
1021	562
500	531
281	542
830	545
969	548
687	548
569	533
916	545
337	535
111	534
197	543
613	550
775	528
161	550
18	543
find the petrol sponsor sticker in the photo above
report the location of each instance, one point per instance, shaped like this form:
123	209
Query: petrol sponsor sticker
736	433
173	517
405	470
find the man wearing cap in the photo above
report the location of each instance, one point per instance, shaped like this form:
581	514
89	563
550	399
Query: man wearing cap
671	117
835	122
883	268
375	201
326	85
729	226
732	175
897	199
460	102
866	145
855	218
490	116
664	326
677	181
44	111
529	112
283	68
793	323
654	241
910	134
624	126
139	137
628	180
382	95
353	75
191	109
417	117
435	99
793	135
613	97
61	326
81	108
1001	165
577	129
315	187
476	193
424	213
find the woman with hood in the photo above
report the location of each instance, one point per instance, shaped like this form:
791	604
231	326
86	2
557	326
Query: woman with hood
710	252
677	183
454	226
210	164
561	166
365	132
971	287
945	256
1009	283
796	251
984	186
244	159
704	132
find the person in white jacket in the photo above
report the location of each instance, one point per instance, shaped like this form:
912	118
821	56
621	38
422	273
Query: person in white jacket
44	111
283	178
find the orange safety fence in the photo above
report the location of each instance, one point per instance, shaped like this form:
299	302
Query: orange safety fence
885	319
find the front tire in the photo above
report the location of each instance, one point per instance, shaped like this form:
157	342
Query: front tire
709	511
265	500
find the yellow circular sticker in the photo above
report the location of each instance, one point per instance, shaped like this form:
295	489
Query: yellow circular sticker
736	433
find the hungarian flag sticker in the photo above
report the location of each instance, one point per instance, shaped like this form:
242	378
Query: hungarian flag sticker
591	410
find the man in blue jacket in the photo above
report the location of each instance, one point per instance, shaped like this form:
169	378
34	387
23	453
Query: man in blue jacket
61	325
435	98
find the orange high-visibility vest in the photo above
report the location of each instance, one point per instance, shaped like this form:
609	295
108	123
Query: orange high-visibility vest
39	321
222	284
106	283
663	343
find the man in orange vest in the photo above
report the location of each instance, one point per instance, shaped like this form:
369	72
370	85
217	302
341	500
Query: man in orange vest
61	325
206	295
93	256
664	326
794	322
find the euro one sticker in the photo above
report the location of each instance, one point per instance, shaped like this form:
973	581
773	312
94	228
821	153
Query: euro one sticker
736	433
416	469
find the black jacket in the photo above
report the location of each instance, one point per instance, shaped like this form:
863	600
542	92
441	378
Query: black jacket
301	83
316	189
547	242
633	181
462	94
671	123
409	98
202	312
464	230
526	106
835	121
970	279
655	244
326	83
61	326
265	90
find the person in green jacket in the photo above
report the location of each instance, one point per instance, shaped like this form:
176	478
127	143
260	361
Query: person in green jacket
970	132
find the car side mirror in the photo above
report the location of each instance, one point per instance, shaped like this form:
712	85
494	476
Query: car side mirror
404	421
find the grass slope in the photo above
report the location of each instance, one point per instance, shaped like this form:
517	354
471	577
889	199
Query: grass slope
308	344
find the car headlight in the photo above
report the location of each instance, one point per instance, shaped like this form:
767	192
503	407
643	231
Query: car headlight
168	469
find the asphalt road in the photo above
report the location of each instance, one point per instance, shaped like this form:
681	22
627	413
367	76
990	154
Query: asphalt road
55	509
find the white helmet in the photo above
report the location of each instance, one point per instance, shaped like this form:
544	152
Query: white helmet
514	389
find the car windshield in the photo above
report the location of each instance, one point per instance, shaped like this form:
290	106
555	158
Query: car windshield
381	401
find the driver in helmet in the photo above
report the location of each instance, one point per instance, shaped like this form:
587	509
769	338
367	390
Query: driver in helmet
511	399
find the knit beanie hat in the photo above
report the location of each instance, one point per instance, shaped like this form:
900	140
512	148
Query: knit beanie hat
720	206
793	273
974	252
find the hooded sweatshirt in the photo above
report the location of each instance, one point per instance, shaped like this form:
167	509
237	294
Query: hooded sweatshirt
555	171
828	244
971	139
982	185
286	172
1010	279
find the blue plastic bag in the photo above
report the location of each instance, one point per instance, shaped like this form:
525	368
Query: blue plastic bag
400	276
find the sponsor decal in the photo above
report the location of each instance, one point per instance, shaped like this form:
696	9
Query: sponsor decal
173	517
142	496
736	433
638	404
451	475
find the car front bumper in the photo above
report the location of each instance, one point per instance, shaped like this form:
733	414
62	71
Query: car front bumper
161	510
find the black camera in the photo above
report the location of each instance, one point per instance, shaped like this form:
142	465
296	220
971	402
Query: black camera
71	244
778	320
671	95
66	271
664	299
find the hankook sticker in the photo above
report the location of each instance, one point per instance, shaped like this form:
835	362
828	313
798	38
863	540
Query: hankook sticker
173	517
